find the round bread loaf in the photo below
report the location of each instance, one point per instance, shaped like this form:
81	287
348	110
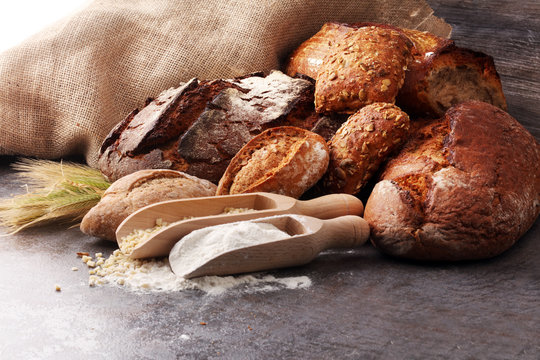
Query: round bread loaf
136	190
467	187
285	160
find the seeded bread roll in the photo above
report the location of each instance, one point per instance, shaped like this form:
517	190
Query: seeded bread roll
466	187
308	57
137	190
285	160
362	143
368	65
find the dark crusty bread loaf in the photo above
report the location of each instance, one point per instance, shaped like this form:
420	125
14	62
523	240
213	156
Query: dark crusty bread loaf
198	127
467	187
137	190
362	144
285	160
440	75
366	66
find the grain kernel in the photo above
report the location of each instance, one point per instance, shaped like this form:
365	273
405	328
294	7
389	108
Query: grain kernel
340	174
365	147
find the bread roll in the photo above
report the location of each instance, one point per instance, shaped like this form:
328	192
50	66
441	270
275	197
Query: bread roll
361	145
467	187
284	160
367	65
137	190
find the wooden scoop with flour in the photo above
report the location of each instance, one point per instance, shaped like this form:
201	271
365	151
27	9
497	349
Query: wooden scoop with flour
208	211
220	250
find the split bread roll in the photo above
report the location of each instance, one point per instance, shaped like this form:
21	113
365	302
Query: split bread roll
137	190
466	187
285	160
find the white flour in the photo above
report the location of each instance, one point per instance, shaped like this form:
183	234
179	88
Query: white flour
204	244
156	275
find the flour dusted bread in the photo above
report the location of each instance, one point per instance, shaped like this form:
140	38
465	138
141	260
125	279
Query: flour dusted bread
137	190
285	160
467	187
198	127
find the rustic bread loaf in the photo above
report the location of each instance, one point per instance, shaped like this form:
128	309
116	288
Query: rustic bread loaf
198	127
447	76
467	187
366	66
285	160
137	190
361	145
440	75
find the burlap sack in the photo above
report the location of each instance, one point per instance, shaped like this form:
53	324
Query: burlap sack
62	90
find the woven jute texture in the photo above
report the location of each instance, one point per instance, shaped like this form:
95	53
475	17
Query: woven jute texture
62	90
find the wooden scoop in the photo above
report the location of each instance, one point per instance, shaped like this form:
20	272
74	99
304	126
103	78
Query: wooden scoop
208	211
309	236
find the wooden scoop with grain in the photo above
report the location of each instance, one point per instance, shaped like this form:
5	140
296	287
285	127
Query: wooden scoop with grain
208	211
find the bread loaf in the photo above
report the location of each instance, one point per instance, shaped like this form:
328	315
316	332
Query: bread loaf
439	76
366	66
307	59
137	190
198	127
449	76
362	144
466	187
284	160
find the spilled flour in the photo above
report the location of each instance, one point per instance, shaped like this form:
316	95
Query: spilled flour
156	275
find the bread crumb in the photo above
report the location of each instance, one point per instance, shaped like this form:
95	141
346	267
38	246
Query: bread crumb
58	288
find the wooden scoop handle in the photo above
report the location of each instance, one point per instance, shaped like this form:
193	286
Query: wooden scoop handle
343	232
330	206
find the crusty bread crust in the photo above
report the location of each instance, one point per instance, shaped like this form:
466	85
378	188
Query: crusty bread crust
286	160
308	57
362	144
137	190
467	187
447	76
